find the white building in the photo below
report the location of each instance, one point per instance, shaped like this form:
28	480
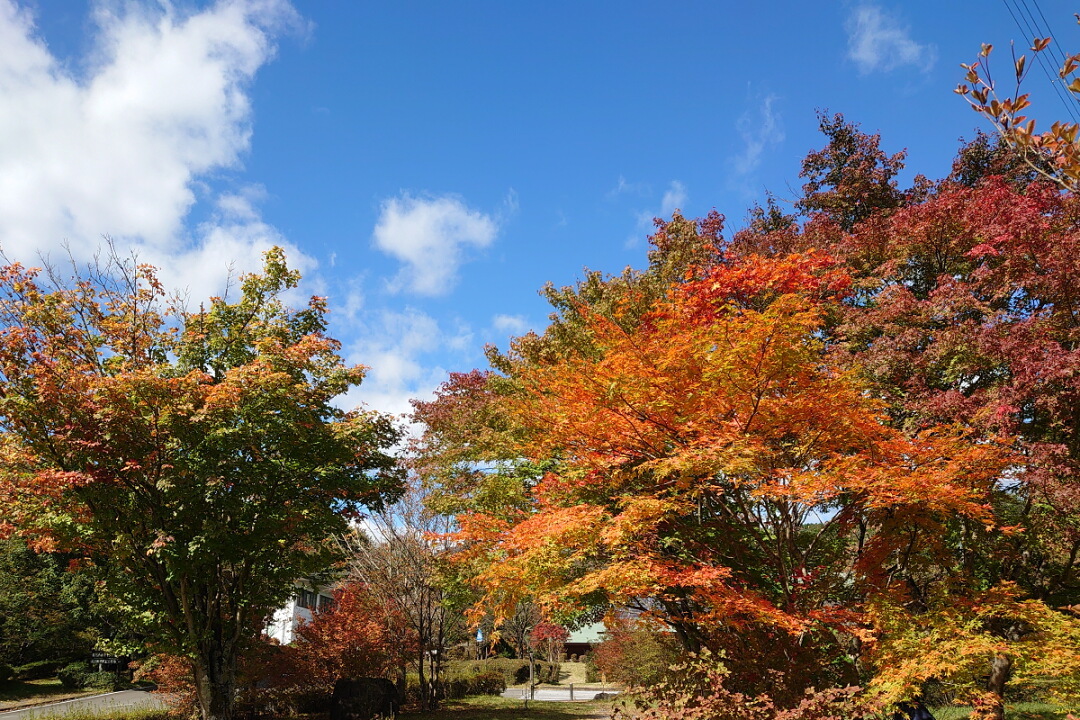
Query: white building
298	610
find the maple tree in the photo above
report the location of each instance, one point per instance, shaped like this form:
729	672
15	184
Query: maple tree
197	450
549	638
357	635
820	446
713	467
637	653
963	311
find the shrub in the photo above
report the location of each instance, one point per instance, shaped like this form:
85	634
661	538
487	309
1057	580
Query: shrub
489	682
37	670
592	672
75	675
6	673
696	690
636	653
454	688
102	680
514	672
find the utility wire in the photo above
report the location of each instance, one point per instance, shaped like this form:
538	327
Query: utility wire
1060	59
1024	24
1027	25
1059	82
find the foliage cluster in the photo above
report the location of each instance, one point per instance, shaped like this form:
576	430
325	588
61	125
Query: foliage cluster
485	682
636	653
81	674
37	670
49	611
841	447
697	689
195	456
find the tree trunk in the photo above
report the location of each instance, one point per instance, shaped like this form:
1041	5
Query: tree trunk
215	682
425	694
999	675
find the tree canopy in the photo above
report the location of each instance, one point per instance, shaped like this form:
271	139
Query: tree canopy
198	452
843	435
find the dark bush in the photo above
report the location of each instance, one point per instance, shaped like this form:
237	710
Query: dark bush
38	670
454	688
489	682
514	672
75	675
103	680
592	672
6	673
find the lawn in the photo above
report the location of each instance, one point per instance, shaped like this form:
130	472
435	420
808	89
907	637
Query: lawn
23	693
1018	711
497	708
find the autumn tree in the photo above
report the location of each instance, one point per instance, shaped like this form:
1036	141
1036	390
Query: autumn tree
400	557
716	469
199	451
549	639
851	178
846	433
963	312
358	635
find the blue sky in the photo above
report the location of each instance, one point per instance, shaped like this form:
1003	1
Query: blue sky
430	165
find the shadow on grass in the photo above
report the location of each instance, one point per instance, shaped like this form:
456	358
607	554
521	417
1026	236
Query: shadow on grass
17	692
1017	711
498	708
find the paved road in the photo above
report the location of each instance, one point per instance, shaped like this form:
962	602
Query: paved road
561	694
96	703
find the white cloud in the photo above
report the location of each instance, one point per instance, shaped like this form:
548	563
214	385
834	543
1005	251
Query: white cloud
878	42
120	149
674	198
430	236
393	345
759	128
623	187
513	324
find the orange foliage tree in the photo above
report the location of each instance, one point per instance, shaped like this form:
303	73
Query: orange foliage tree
716	468
964	312
832	444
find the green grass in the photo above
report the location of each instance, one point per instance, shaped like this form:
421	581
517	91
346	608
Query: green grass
498	708
16	693
1017	711
118	714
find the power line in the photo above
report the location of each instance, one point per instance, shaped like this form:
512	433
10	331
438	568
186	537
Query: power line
1027	25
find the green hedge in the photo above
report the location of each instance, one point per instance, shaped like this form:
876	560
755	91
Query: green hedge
490	682
102	680
37	670
514	672
75	675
